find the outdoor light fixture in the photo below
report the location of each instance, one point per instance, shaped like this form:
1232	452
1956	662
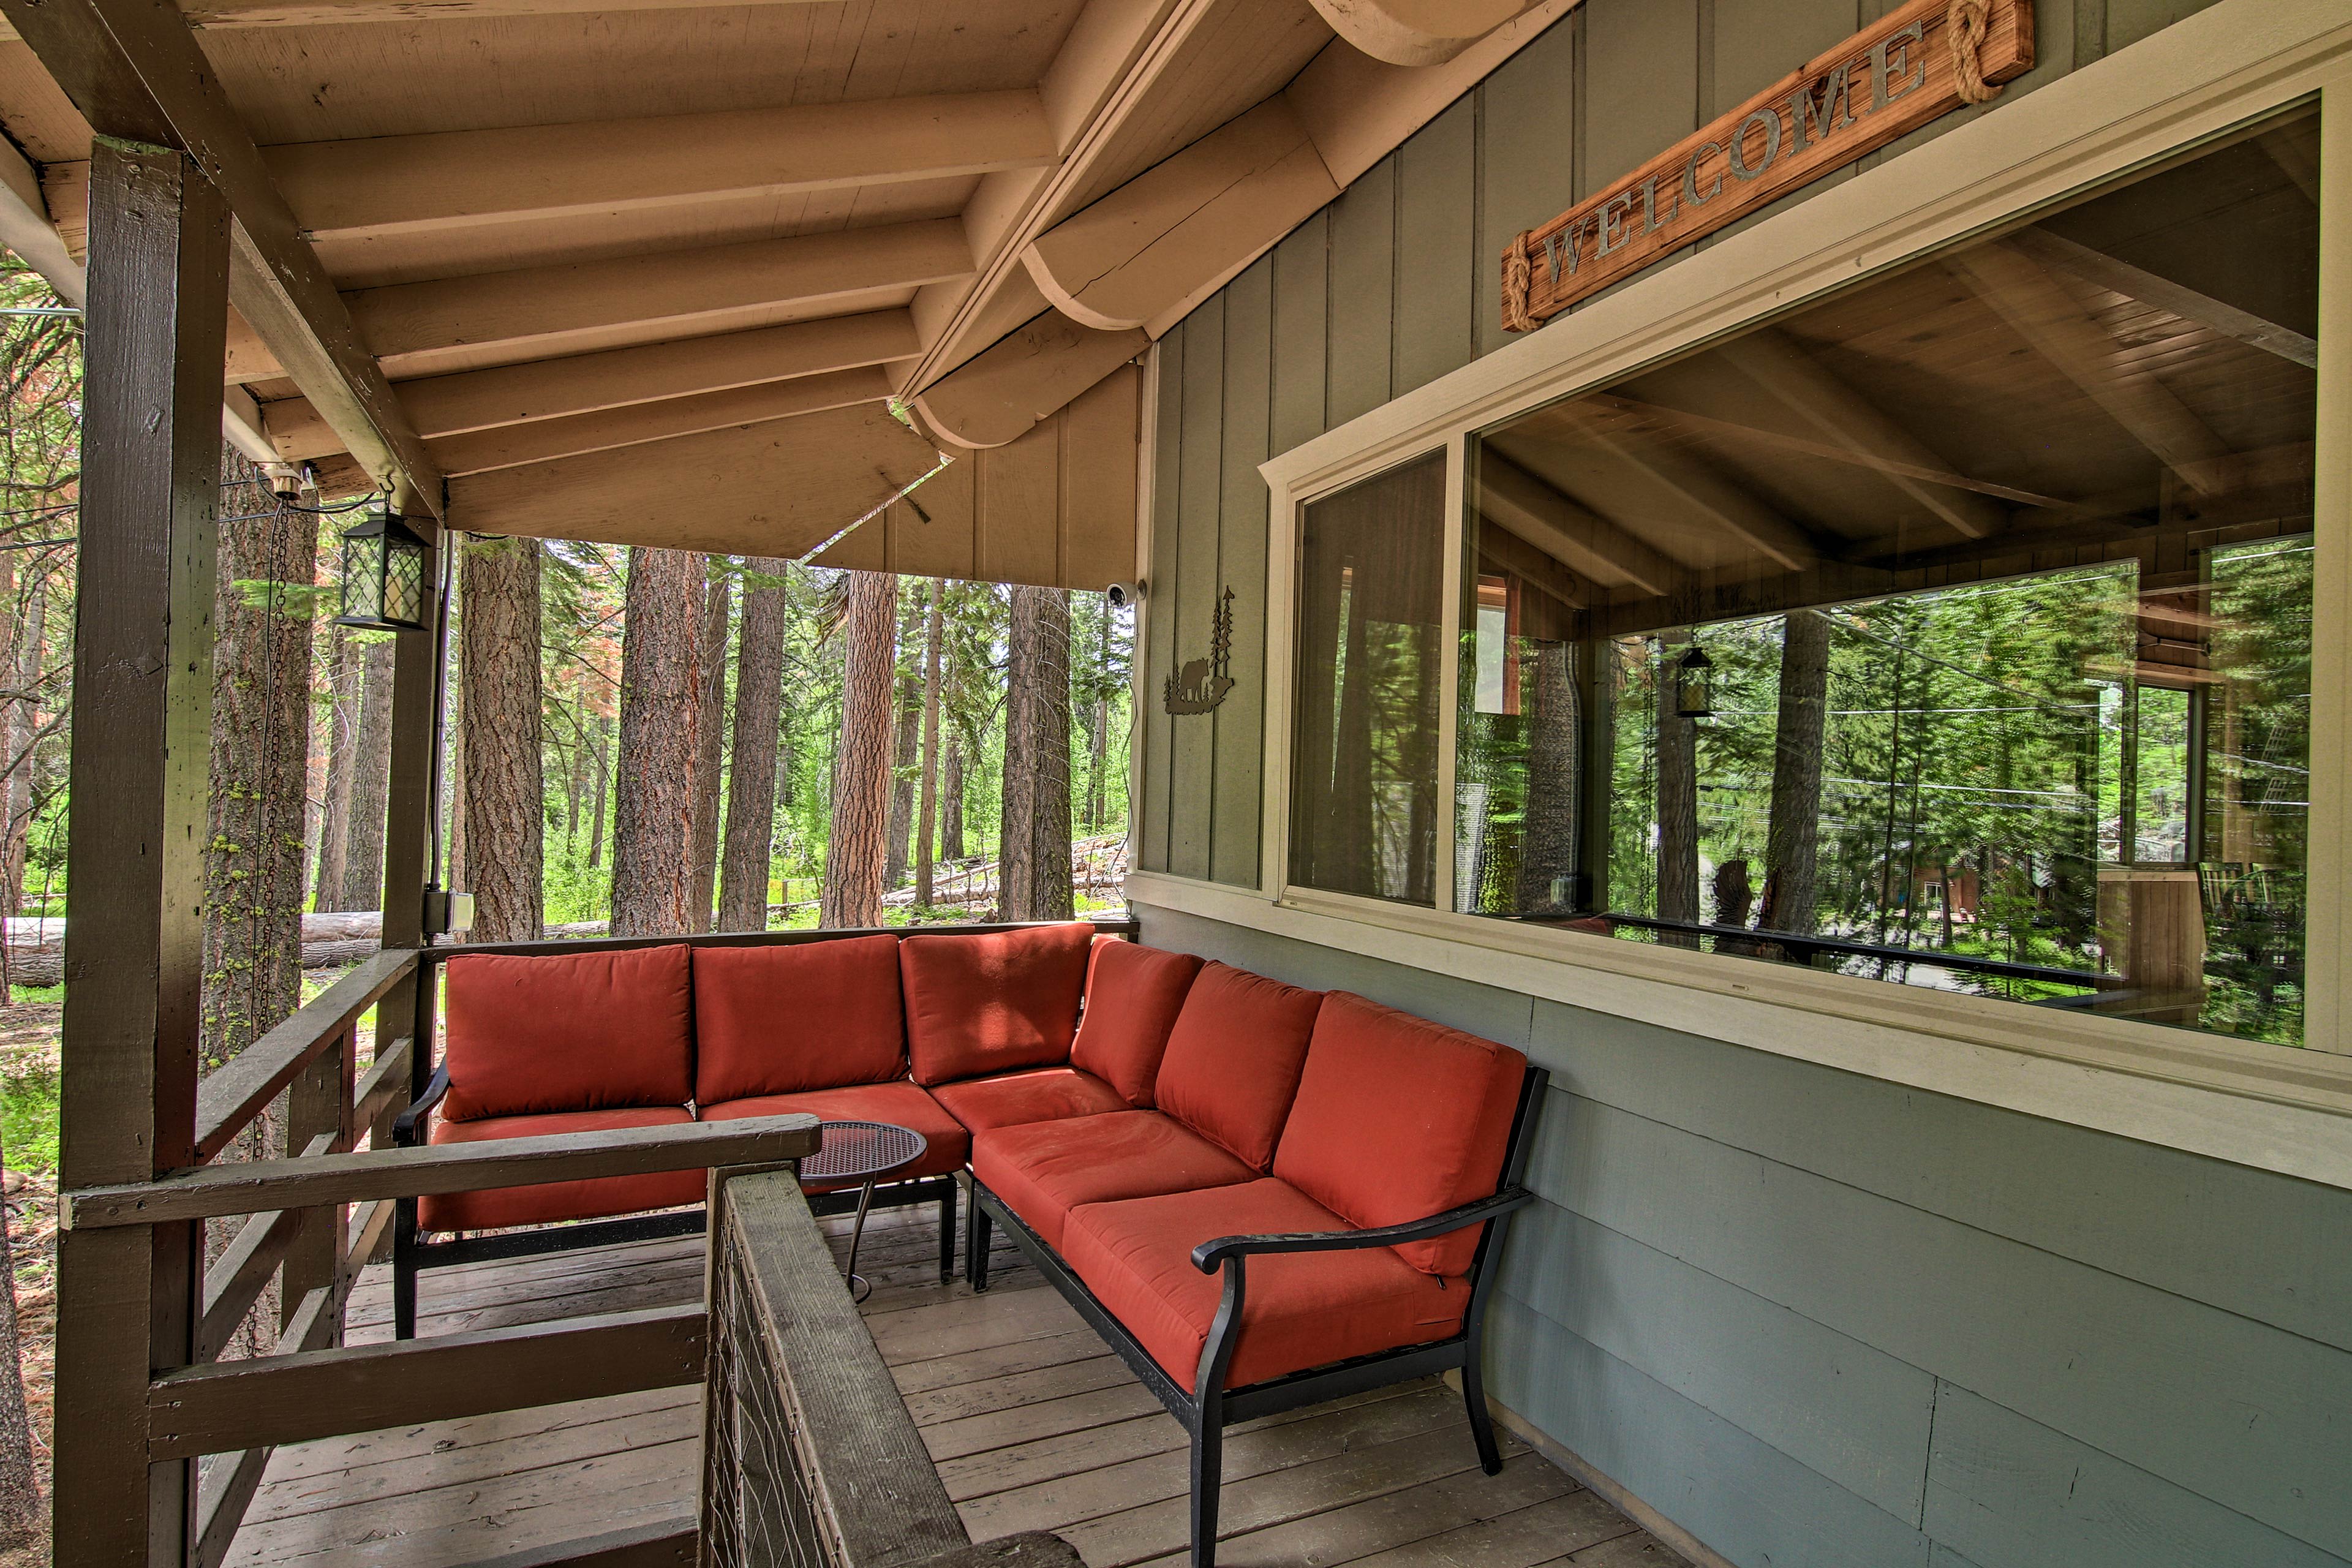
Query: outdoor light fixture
1694	685
384	575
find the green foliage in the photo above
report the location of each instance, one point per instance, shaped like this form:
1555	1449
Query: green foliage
28	1119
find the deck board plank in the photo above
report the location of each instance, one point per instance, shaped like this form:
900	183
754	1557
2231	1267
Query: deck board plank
1031	1422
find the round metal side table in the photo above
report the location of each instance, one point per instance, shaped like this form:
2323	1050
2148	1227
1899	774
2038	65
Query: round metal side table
863	1152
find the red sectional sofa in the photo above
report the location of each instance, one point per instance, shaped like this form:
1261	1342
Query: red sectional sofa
1262	1197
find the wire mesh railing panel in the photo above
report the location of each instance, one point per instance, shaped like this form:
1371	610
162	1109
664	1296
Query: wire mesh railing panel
759	1511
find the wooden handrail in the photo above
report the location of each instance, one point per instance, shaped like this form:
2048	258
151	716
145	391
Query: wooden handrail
228	1101
212	1191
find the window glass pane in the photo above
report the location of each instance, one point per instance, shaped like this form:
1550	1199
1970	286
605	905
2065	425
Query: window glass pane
1363	815
1955	631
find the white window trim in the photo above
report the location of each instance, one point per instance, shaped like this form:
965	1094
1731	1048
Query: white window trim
2275	1107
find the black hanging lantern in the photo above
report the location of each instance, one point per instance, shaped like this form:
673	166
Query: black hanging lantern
1694	685
384	575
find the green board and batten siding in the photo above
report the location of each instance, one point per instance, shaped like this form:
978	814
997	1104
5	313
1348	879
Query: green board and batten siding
1811	1318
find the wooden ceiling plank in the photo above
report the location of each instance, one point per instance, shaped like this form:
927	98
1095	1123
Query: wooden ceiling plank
387	184
2038	309
2097	268
1803	386
134	70
510	445
619	378
781	488
1568	532
543	303
1027	378
230	14
1700	494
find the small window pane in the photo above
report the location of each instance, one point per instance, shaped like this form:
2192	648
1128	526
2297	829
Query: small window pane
1364	814
1954	631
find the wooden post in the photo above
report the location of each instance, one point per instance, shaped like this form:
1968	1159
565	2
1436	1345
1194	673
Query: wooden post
319	1105
417	673
129	1300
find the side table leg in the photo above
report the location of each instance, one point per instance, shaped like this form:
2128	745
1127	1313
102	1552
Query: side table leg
858	1288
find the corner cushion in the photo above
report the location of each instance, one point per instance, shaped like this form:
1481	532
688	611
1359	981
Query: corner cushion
1045	1170
1133	995
1398	1119
1234	1059
499	1207
992	1002
588	1031
1300	1310
901	1104
781	1020
1035	1094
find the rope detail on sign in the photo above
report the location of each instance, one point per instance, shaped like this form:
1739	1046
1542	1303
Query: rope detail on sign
1519	278
1969	23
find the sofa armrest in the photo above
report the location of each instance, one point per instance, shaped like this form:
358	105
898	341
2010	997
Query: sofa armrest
406	1131
1210	1255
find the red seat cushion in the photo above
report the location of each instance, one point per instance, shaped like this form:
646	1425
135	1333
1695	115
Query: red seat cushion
588	1031
1398	1119
780	1020
1234	1057
901	1104
1039	1094
1133	995
497	1208
1301	1309
1045	1170
981	1005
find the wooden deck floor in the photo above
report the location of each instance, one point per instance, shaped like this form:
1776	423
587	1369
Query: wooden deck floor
1032	1423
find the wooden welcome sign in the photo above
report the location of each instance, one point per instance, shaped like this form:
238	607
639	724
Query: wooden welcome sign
1921	62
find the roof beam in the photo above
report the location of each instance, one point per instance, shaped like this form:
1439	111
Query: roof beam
418	327
373	186
1531	508
619	378
781	488
133	71
1626	483
214	14
1416	32
1025	379
2037	307
510	446
1799	383
2108	272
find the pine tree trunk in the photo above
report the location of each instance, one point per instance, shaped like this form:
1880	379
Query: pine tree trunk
710	748
23	1535
25	724
1548	849
459	867
752	770
601	754
661	700
861	763
1792	851
1099	742
504	810
906	728
1034	857
370	778
575	775
1678	808
927	816
952	800
335	811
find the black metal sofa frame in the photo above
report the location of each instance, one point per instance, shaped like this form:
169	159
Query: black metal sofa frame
1209	1406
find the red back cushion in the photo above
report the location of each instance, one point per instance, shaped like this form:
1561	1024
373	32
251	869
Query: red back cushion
1133	995
1398	1119
1234	1057
588	1031
989	1004
783	1020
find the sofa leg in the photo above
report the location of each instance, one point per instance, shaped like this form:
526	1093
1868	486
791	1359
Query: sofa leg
404	1270
948	1233
1482	1424
1208	1476
976	1247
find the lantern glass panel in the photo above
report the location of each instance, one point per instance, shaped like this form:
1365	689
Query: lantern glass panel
404	580
364	577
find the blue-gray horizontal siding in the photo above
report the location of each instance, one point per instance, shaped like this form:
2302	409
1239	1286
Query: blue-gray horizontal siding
1814	1318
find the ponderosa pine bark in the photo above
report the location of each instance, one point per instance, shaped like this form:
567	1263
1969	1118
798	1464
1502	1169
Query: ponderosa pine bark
1547	844
342	719
751	767
855	851
951	799
371	779
1792	840
601	750
928	812
505	814
661	701
23	1535
710	746
1677	807
905	730
1033	859
22	734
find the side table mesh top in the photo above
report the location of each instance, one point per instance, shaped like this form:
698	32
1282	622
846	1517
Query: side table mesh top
856	1152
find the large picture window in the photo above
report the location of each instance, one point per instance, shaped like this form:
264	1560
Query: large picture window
1953	631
